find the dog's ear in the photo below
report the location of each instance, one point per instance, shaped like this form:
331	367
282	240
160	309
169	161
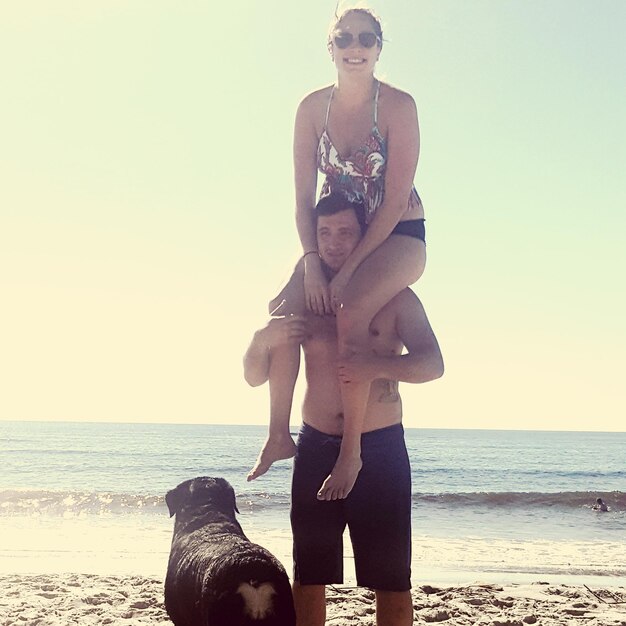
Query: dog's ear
177	497
229	492
234	500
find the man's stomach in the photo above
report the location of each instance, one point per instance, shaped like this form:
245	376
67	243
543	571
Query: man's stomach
322	408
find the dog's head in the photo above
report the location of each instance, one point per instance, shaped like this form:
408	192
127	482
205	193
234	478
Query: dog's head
203	491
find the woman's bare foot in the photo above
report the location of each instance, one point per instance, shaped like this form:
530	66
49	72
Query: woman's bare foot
341	480
275	448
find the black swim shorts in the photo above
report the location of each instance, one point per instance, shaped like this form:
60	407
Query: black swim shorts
377	512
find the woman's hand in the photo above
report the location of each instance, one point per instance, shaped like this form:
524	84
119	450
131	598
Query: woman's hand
316	292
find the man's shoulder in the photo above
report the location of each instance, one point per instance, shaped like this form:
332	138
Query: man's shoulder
403	306
405	300
404	310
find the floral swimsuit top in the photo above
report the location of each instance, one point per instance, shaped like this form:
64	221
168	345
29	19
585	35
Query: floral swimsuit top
361	177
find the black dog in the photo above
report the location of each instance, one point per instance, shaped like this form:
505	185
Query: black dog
215	576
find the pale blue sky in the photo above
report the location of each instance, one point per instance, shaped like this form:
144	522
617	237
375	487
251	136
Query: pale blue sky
146	203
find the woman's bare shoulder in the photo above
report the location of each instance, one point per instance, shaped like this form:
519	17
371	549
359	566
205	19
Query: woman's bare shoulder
316	99
396	99
396	108
312	110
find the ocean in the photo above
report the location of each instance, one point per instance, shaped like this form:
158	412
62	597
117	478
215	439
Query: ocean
491	506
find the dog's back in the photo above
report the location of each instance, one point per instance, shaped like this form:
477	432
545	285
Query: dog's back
215	576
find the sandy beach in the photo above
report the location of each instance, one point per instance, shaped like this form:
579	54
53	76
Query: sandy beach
63	599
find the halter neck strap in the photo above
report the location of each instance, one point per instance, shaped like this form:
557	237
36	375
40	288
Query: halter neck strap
330	98
376	103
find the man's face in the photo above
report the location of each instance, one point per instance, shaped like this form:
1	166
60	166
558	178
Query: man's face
337	236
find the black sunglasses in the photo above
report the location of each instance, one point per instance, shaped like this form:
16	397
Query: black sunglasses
367	40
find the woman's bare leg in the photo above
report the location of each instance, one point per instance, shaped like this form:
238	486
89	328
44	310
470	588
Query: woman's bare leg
396	264
284	367
283	372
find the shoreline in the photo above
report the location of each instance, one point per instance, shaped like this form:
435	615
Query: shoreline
60	599
40	546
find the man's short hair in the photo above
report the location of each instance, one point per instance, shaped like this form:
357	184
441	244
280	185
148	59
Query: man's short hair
336	202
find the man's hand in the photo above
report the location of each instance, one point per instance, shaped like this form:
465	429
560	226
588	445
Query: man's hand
359	368
284	329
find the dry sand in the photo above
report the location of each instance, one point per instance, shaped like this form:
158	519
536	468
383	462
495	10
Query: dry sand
64	599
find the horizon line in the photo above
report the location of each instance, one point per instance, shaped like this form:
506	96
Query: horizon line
198	423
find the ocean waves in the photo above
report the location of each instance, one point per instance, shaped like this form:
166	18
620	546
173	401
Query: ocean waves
72	503
36	503
565	500
18	502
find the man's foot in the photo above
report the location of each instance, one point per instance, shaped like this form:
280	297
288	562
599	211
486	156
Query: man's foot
341	480
274	449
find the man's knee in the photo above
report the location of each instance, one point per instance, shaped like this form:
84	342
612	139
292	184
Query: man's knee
394	608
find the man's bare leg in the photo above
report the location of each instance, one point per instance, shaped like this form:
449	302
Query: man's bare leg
310	601
393	608
283	372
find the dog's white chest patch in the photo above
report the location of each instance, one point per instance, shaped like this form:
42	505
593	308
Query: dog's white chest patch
258	600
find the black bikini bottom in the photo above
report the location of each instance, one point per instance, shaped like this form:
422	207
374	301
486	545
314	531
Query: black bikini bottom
412	228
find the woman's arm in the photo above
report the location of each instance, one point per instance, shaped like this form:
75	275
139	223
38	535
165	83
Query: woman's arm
305	144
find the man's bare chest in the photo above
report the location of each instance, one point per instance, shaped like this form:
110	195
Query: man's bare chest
321	334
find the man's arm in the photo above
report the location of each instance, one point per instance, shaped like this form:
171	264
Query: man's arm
286	326
278	331
422	362
256	361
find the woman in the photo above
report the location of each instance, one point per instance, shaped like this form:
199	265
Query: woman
363	135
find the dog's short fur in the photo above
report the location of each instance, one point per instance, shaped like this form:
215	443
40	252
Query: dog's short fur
215	576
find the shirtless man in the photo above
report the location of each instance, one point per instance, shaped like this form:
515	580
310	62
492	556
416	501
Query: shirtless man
378	509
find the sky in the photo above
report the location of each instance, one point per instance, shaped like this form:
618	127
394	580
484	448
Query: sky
147	203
